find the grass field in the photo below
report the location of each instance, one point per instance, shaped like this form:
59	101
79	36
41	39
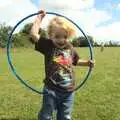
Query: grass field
98	99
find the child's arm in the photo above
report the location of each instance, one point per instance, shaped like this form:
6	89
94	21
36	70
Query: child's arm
90	63
36	26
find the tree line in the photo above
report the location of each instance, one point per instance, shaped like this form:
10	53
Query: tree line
23	39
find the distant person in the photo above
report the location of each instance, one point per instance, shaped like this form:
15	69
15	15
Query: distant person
59	56
102	47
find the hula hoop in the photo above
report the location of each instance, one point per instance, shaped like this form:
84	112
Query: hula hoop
13	68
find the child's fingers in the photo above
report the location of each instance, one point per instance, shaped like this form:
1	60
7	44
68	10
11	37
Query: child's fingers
91	63
41	14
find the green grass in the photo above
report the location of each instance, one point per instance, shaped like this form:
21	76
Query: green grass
98	99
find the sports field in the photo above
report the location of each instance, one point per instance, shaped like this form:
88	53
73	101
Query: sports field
98	99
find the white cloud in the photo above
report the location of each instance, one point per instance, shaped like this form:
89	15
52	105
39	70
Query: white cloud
14	10
85	15
66	4
118	6
89	19
82	12
5	2
109	32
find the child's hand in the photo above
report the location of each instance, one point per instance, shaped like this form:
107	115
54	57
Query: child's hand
41	14
91	63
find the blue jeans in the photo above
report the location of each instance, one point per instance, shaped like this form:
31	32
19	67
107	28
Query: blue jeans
61	102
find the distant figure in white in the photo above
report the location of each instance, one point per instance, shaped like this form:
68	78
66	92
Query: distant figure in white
102	47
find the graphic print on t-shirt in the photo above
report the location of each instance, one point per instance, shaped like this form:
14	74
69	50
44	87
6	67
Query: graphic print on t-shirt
63	61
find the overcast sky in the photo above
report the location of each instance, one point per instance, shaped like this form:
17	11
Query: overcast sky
98	18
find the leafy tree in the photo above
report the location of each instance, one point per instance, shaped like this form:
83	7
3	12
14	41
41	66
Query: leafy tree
82	42
4	33
96	44
21	40
76	42
27	28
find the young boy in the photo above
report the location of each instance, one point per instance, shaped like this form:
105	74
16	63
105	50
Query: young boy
59	57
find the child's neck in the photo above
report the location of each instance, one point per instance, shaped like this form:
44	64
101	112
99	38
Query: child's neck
67	45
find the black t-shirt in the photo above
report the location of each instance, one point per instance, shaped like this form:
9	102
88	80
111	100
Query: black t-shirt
58	65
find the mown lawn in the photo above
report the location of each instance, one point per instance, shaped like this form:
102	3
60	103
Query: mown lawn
98	99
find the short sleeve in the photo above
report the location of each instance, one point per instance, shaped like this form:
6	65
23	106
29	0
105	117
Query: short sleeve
75	57
43	45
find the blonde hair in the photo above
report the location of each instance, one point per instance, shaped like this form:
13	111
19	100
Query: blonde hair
62	23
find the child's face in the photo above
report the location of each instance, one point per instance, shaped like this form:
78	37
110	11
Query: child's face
59	36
